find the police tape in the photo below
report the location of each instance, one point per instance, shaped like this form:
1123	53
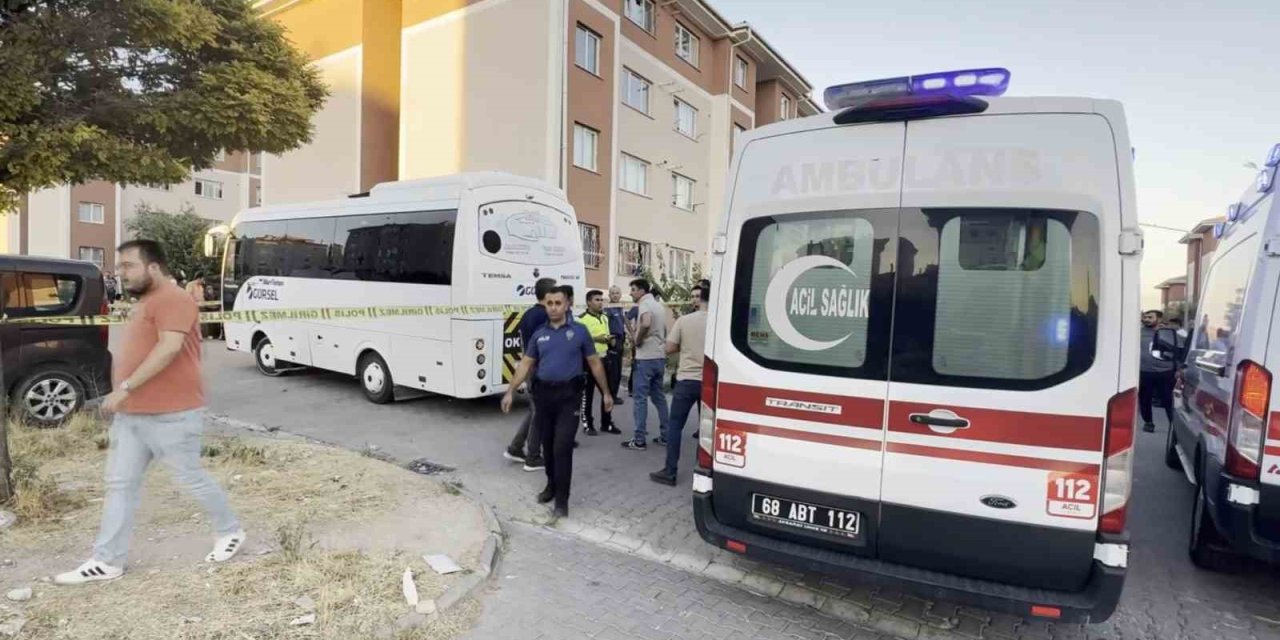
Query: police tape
258	316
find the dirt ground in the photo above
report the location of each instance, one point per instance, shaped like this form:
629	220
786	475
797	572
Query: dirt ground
330	533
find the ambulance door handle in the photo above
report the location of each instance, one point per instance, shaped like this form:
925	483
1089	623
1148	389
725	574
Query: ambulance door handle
940	421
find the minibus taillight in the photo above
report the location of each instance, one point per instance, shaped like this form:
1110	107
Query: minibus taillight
1117	471
1248	420
706	426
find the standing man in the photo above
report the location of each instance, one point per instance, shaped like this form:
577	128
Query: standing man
597	325
556	355
527	435
687	338
618	332
158	404
650	363
1155	377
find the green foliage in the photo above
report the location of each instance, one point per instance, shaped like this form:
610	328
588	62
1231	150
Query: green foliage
143	91
181	235
676	289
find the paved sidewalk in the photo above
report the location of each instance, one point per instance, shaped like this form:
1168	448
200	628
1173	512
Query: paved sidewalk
551	587
614	503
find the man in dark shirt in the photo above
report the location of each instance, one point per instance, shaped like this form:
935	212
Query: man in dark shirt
555	356
527	435
618	335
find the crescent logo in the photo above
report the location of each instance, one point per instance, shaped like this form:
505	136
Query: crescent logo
775	302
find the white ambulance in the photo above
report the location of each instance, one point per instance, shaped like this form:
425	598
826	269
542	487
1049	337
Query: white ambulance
1226	431
922	357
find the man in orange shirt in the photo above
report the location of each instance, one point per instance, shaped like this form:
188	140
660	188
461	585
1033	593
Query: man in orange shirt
158	404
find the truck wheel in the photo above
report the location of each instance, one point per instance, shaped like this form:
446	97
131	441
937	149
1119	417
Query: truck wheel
1207	548
1171	458
375	379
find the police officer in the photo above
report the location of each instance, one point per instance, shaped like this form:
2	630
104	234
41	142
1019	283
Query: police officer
597	323
527	435
555	356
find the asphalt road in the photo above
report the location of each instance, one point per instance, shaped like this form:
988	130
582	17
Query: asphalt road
614	505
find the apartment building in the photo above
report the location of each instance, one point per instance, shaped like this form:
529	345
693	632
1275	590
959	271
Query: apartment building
1201	243
631	106
87	221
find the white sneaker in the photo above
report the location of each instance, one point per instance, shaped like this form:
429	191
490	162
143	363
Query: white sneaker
226	547
91	571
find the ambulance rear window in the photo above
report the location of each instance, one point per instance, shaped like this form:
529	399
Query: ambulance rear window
997	298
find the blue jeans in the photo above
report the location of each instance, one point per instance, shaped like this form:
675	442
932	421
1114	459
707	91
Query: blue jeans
173	440
648	386
685	396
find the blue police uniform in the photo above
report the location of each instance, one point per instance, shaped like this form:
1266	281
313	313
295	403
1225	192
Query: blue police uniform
560	354
613	358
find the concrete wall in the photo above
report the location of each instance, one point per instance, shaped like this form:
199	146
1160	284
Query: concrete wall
235	195
475	91
49	231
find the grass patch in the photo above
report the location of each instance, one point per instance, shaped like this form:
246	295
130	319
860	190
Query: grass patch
355	594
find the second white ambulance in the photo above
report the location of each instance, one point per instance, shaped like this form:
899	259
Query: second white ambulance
922	357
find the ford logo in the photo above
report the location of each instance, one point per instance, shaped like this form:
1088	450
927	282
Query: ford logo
998	502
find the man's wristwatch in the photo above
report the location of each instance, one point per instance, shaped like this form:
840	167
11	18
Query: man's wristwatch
126	387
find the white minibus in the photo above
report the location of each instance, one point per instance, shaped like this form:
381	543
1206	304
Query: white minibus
468	239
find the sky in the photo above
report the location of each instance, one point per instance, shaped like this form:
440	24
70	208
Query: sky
1200	81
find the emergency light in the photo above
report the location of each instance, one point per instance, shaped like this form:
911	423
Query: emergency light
1273	158
1265	178
919	96
1233	212
1219	229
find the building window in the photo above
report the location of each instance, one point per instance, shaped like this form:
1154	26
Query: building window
641	13
220	156
681	192
785	109
591	254
209	189
686	118
159	187
587	51
635	91
686	45
633	257
679	264
257	196
96	255
737	131
93	212
635	175
585	143
740	72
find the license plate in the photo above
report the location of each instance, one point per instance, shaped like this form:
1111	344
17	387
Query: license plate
804	516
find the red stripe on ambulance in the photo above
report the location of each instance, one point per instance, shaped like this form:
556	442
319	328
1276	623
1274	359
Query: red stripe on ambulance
1007	427
796	434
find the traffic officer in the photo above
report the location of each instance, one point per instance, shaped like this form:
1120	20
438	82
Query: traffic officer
555	357
597	324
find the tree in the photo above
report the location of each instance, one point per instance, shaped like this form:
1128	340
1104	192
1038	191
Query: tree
143	91
181	235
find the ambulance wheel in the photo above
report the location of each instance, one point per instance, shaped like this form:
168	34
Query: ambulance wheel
1207	548
375	378
1171	458
264	355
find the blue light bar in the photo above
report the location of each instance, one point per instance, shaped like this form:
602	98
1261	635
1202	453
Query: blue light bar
1265	178
1273	158
1219	229
1233	212
968	82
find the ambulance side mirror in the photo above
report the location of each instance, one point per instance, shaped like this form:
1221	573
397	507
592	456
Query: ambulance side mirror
1165	345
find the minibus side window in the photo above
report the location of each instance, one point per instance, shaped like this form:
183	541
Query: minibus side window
996	298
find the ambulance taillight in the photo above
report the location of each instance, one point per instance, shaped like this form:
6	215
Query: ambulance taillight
1248	421
1117	470
706	426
